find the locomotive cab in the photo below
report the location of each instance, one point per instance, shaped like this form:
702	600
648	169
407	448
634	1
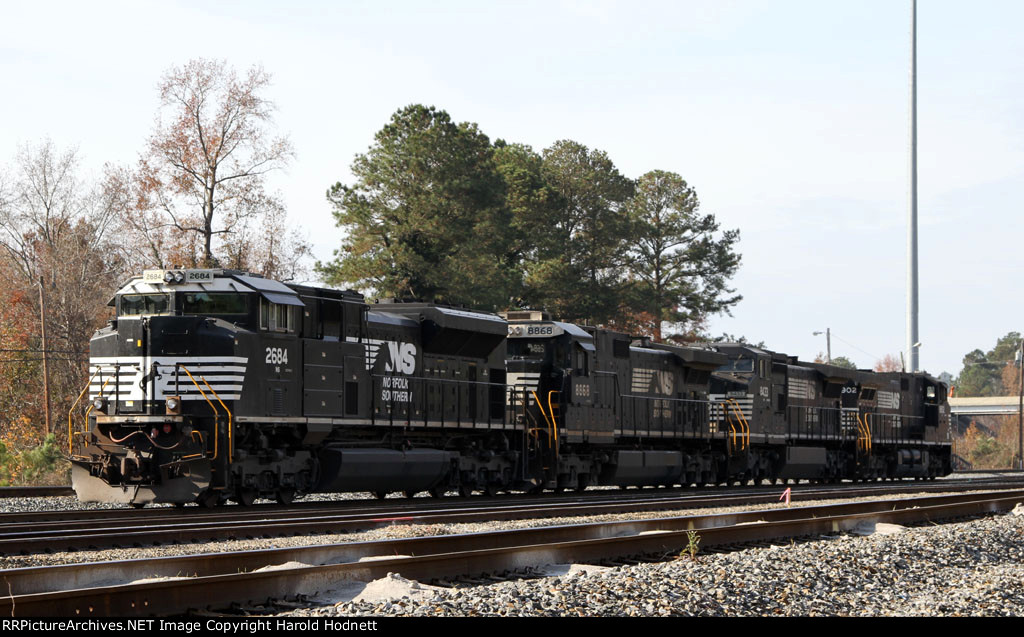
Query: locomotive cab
166	376
544	363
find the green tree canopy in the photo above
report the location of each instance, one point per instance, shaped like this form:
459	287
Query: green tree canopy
679	266
577	269
437	212
842	361
426	217
531	203
982	372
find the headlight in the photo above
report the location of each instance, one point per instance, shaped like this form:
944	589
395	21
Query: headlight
168	276
179	277
99	404
173	405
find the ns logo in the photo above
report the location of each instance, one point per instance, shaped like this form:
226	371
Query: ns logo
401	357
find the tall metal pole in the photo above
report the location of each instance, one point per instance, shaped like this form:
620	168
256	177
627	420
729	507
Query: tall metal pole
1020	411
912	339
46	372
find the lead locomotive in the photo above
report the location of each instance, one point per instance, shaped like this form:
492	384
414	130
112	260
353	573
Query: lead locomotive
212	385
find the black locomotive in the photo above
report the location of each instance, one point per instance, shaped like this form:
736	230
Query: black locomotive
212	385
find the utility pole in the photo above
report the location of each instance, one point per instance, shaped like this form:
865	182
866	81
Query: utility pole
828	343
46	372
912	334
1020	408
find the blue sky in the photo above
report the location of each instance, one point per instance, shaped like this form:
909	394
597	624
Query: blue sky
789	118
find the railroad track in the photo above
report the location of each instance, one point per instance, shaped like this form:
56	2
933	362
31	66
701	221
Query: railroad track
174	585
113	528
116	528
35	492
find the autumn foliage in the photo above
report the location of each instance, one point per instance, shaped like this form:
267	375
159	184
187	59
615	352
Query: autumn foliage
194	198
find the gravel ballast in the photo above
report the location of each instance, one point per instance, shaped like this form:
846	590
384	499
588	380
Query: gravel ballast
966	568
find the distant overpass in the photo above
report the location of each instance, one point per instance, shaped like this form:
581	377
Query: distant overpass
987	406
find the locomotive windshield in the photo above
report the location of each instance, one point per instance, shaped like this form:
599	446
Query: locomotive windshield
739	365
136	304
550	351
206	303
530	349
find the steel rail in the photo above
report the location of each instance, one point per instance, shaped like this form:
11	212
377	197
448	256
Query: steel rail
37	536
274	510
217	580
21	535
35	492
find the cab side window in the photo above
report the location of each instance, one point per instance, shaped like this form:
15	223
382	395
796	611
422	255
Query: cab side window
275	317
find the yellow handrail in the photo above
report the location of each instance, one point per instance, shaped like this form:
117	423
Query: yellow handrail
71	411
867	432
863	433
542	412
216	414
728	421
860	433
742	420
554	421
99	395
231	447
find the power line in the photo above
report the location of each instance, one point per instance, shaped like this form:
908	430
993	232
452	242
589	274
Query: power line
877	358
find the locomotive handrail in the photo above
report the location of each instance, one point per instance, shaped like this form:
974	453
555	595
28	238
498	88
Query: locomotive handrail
216	414
742	420
231	446
515	392
862	442
802	419
729	407
543	413
867	425
554	421
706	406
72	410
867	432
99	395
728	421
725	415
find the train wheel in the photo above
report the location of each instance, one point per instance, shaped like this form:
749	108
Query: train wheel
582	482
285	497
491	490
246	497
438	492
410	494
179	505
138	505
208	499
465	490
380	495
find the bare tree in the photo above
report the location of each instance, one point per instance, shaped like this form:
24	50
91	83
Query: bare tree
268	246
53	238
202	172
